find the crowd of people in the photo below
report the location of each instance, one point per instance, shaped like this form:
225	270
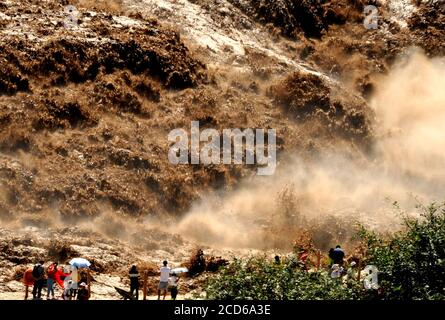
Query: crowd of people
352	272
168	282
340	267
73	285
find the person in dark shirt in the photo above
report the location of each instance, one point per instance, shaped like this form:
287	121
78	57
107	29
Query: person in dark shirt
134	282
38	273
338	255
277	260
173	281
83	293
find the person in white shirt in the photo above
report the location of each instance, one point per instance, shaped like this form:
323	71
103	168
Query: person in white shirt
163	282
67	290
337	271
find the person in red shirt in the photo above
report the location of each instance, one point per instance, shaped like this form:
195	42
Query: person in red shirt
60	277
55	275
51	273
28	280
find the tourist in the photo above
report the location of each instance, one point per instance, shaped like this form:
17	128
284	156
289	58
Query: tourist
38	272
174	285
67	291
83	293
336	271
28	280
134	282
338	255
75	278
51	273
163	282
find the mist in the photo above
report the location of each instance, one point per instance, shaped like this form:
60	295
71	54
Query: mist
406	168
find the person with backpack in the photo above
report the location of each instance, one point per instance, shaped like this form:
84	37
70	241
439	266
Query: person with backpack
134	282
38	273
51	273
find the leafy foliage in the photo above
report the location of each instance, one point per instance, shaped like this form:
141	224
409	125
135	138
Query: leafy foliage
259	278
411	265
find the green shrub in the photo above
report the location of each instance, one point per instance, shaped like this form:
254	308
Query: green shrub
411	262
259	278
411	265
